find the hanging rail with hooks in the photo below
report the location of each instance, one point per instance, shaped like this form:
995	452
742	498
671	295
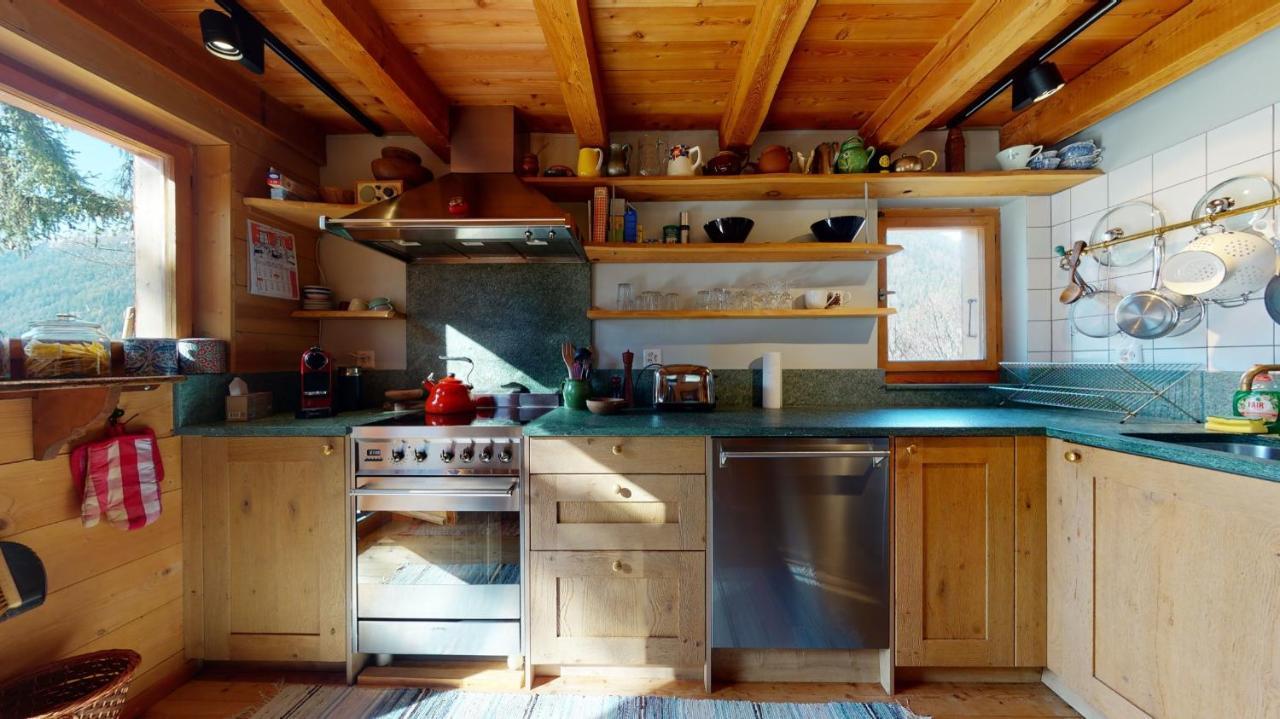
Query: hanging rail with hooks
1194	222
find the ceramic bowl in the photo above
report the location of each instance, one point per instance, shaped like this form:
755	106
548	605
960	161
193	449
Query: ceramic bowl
729	229
1078	149
837	229
150	356
605	405
202	355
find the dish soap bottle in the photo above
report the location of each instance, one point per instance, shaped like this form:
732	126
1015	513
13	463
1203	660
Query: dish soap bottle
1261	402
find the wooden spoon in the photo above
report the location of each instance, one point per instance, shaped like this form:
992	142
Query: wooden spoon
1076	287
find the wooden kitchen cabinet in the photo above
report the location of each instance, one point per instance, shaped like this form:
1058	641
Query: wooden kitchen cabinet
969	551
632	511
274	548
1164	587
618	608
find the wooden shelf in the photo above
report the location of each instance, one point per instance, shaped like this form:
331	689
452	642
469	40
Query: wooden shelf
303	214
346	315
745	252
794	186
128	384
599	314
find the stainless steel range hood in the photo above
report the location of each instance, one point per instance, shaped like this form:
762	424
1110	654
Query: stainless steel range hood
507	221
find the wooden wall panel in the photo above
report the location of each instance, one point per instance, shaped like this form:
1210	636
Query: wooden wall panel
108	588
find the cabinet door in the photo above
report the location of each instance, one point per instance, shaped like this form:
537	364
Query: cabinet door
954	551
275	549
617	608
614	511
1164	587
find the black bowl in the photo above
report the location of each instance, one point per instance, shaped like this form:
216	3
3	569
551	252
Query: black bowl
837	229
729	229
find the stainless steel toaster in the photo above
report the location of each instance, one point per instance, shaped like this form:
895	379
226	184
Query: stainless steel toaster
683	386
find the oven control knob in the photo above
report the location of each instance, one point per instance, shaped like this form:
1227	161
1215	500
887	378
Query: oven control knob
397	453
469	452
505	455
446	455
486	454
420	452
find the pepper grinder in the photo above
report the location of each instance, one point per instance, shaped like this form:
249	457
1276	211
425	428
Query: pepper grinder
628	392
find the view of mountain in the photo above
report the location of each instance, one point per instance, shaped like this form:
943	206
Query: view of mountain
94	284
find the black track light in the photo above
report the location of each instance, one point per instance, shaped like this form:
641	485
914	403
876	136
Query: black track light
1035	84
229	39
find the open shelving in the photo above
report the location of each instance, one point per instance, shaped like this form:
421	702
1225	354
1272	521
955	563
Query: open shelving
346	315
596	313
795	186
302	214
744	252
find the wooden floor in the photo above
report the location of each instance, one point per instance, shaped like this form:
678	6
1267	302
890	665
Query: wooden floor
224	695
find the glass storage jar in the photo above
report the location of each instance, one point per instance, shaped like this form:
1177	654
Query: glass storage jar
66	347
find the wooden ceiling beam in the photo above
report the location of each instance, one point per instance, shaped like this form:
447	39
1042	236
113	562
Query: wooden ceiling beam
775	29
354	33
1163	54
985	36
566	25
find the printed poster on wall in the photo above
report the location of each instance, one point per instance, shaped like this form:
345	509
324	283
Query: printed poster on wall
273	262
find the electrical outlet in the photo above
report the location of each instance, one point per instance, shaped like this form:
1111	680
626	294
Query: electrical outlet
1132	354
363	359
651	357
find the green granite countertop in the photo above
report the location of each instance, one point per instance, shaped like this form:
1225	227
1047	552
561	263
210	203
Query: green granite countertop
1102	431
284	424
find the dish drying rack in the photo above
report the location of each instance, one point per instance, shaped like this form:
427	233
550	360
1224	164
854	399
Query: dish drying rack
1169	390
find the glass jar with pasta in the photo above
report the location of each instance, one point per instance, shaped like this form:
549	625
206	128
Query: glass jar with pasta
66	347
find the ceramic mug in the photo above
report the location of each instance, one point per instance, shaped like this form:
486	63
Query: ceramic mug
684	164
1017	157
823	299
590	160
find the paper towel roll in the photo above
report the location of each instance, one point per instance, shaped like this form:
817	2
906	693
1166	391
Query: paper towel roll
772	380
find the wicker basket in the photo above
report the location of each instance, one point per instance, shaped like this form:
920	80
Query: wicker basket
88	686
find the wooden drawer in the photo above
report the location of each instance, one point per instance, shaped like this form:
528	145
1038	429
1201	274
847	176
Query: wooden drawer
618	608
618	455
612	511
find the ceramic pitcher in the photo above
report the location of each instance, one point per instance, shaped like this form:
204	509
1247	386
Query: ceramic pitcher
619	160
590	160
853	156
684	160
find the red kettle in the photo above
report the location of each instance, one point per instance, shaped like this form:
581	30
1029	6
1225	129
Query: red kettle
449	395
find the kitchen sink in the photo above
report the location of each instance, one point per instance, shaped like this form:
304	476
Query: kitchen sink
1262	447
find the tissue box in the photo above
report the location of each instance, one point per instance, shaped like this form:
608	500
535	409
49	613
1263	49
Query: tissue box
242	408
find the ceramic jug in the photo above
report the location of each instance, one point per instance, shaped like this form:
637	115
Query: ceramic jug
590	160
853	156
619	160
684	160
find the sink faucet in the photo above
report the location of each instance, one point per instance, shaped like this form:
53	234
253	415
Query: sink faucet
1246	379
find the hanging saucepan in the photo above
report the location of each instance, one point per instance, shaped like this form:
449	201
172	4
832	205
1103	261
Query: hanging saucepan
1126	219
1157	312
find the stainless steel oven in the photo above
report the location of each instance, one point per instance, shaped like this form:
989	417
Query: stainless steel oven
437	540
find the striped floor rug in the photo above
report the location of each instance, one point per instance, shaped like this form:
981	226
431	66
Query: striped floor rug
296	701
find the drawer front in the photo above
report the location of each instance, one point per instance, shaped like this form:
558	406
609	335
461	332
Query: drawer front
453	638
618	608
613	511
618	455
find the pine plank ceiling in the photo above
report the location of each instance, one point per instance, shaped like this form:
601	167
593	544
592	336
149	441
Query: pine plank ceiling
665	64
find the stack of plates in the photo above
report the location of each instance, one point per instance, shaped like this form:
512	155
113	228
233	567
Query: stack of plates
317	297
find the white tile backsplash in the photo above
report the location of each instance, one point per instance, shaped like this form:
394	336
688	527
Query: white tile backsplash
1039	213
1060	207
1088	197
1039	244
1182	162
1129	182
1240	140
1174	180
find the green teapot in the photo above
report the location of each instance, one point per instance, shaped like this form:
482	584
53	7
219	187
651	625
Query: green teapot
853	157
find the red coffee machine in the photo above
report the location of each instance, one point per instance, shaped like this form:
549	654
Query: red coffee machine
318	385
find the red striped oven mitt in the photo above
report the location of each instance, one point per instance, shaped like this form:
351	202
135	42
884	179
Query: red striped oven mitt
120	477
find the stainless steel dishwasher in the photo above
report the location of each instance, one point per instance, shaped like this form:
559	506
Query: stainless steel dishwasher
800	543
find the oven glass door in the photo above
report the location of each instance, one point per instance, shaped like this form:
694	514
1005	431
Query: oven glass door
450	552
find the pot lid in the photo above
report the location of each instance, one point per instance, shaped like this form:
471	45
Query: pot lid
1238	192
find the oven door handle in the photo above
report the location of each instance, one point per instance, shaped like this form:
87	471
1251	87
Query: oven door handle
435	492
874	454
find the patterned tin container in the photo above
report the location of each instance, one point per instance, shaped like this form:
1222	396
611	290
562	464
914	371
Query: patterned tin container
148	356
202	355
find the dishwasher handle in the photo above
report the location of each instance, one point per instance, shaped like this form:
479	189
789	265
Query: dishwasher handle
435	492
876	454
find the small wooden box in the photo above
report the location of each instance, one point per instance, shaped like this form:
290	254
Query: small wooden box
244	407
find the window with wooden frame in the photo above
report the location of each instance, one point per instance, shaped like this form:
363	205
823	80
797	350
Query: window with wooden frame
945	288
109	198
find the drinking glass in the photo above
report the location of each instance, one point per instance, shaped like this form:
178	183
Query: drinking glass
626	300
650	300
706	300
671	301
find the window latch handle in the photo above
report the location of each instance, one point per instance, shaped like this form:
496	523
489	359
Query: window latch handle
883	295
